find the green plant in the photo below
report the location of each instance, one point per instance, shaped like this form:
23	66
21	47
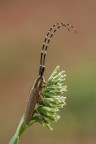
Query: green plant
47	109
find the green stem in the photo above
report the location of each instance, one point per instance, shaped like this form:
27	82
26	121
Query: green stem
20	130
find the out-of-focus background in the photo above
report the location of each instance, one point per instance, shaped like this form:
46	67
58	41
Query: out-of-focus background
23	26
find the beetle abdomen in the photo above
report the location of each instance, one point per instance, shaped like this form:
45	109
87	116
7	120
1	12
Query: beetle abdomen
33	99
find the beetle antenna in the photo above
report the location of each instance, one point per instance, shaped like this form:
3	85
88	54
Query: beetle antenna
47	39
42	51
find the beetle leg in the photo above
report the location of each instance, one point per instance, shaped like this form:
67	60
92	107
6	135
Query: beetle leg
40	94
44	81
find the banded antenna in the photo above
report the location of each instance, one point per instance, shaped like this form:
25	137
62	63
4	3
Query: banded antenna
48	37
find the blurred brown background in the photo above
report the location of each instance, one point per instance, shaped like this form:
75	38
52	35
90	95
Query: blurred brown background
23	26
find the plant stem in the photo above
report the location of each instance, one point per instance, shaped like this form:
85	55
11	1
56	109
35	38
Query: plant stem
20	130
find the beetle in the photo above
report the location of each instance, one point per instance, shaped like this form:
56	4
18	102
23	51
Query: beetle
36	91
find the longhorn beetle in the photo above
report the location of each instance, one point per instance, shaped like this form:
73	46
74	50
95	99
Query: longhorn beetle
36	91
